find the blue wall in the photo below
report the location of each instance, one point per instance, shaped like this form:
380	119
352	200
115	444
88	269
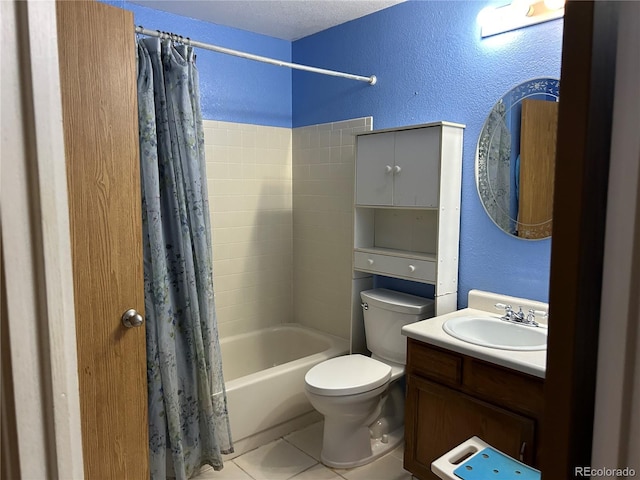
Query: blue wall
232	89
432	65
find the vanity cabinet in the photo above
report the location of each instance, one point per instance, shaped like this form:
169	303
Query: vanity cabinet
407	206
452	397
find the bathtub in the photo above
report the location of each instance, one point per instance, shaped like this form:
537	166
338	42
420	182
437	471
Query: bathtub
264	374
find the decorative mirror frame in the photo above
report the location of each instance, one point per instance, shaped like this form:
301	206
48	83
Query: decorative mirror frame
544	85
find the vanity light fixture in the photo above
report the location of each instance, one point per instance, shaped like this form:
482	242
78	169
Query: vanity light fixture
518	14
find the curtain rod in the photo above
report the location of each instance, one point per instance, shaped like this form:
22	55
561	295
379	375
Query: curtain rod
157	33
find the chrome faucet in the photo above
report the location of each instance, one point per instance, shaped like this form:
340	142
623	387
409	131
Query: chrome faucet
511	315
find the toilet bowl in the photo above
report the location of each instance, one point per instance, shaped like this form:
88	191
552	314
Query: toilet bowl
351	392
360	397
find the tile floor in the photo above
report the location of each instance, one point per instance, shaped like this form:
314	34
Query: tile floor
297	457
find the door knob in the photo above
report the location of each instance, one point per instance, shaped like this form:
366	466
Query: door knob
131	318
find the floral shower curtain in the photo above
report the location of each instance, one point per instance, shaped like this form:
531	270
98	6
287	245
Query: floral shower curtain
188	421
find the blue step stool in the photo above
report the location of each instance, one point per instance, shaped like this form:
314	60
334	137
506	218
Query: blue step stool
481	462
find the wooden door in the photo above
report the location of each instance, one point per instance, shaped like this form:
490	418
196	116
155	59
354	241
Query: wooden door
537	166
439	418
98	84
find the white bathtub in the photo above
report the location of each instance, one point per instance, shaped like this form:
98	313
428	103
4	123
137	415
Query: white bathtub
264	374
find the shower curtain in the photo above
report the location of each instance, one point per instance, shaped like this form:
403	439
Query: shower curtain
188	421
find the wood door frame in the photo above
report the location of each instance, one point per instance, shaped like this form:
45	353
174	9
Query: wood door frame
616	434
42	373
580	199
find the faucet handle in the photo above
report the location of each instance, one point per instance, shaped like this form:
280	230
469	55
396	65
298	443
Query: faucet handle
509	314
537	313
531	317
503	306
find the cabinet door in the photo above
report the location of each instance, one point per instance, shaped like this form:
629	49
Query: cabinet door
374	174
439	418
417	155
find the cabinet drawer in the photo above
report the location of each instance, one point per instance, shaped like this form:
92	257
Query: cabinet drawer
435	364
509	389
409	268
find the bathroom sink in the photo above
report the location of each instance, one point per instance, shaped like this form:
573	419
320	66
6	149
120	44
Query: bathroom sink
495	333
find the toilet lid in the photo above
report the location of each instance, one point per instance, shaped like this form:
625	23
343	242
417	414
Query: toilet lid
347	375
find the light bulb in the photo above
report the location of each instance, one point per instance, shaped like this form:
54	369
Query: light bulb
554	4
486	16
521	8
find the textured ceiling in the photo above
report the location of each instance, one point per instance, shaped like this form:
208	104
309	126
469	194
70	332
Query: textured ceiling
285	19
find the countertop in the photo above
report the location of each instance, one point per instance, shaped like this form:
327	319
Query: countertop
430	331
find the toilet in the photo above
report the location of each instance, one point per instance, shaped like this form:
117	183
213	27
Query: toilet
362	398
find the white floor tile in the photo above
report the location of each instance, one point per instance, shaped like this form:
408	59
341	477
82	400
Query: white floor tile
230	472
309	439
398	452
319	472
275	461
388	467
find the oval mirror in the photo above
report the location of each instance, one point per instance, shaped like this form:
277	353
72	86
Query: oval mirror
515	159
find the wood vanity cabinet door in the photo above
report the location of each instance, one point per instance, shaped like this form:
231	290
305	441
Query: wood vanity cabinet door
439	418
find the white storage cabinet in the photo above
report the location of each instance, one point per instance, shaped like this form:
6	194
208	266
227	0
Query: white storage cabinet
407	206
399	169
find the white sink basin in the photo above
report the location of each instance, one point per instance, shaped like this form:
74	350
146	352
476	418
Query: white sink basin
495	333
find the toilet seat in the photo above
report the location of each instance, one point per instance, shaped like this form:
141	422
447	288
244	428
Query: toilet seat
347	375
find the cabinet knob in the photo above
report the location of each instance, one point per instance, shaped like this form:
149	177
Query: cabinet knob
412	268
370	261
396	169
388	168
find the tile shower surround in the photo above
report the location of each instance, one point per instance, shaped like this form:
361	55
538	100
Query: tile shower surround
323	190
281	213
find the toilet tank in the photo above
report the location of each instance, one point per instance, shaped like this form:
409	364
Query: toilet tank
385	313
